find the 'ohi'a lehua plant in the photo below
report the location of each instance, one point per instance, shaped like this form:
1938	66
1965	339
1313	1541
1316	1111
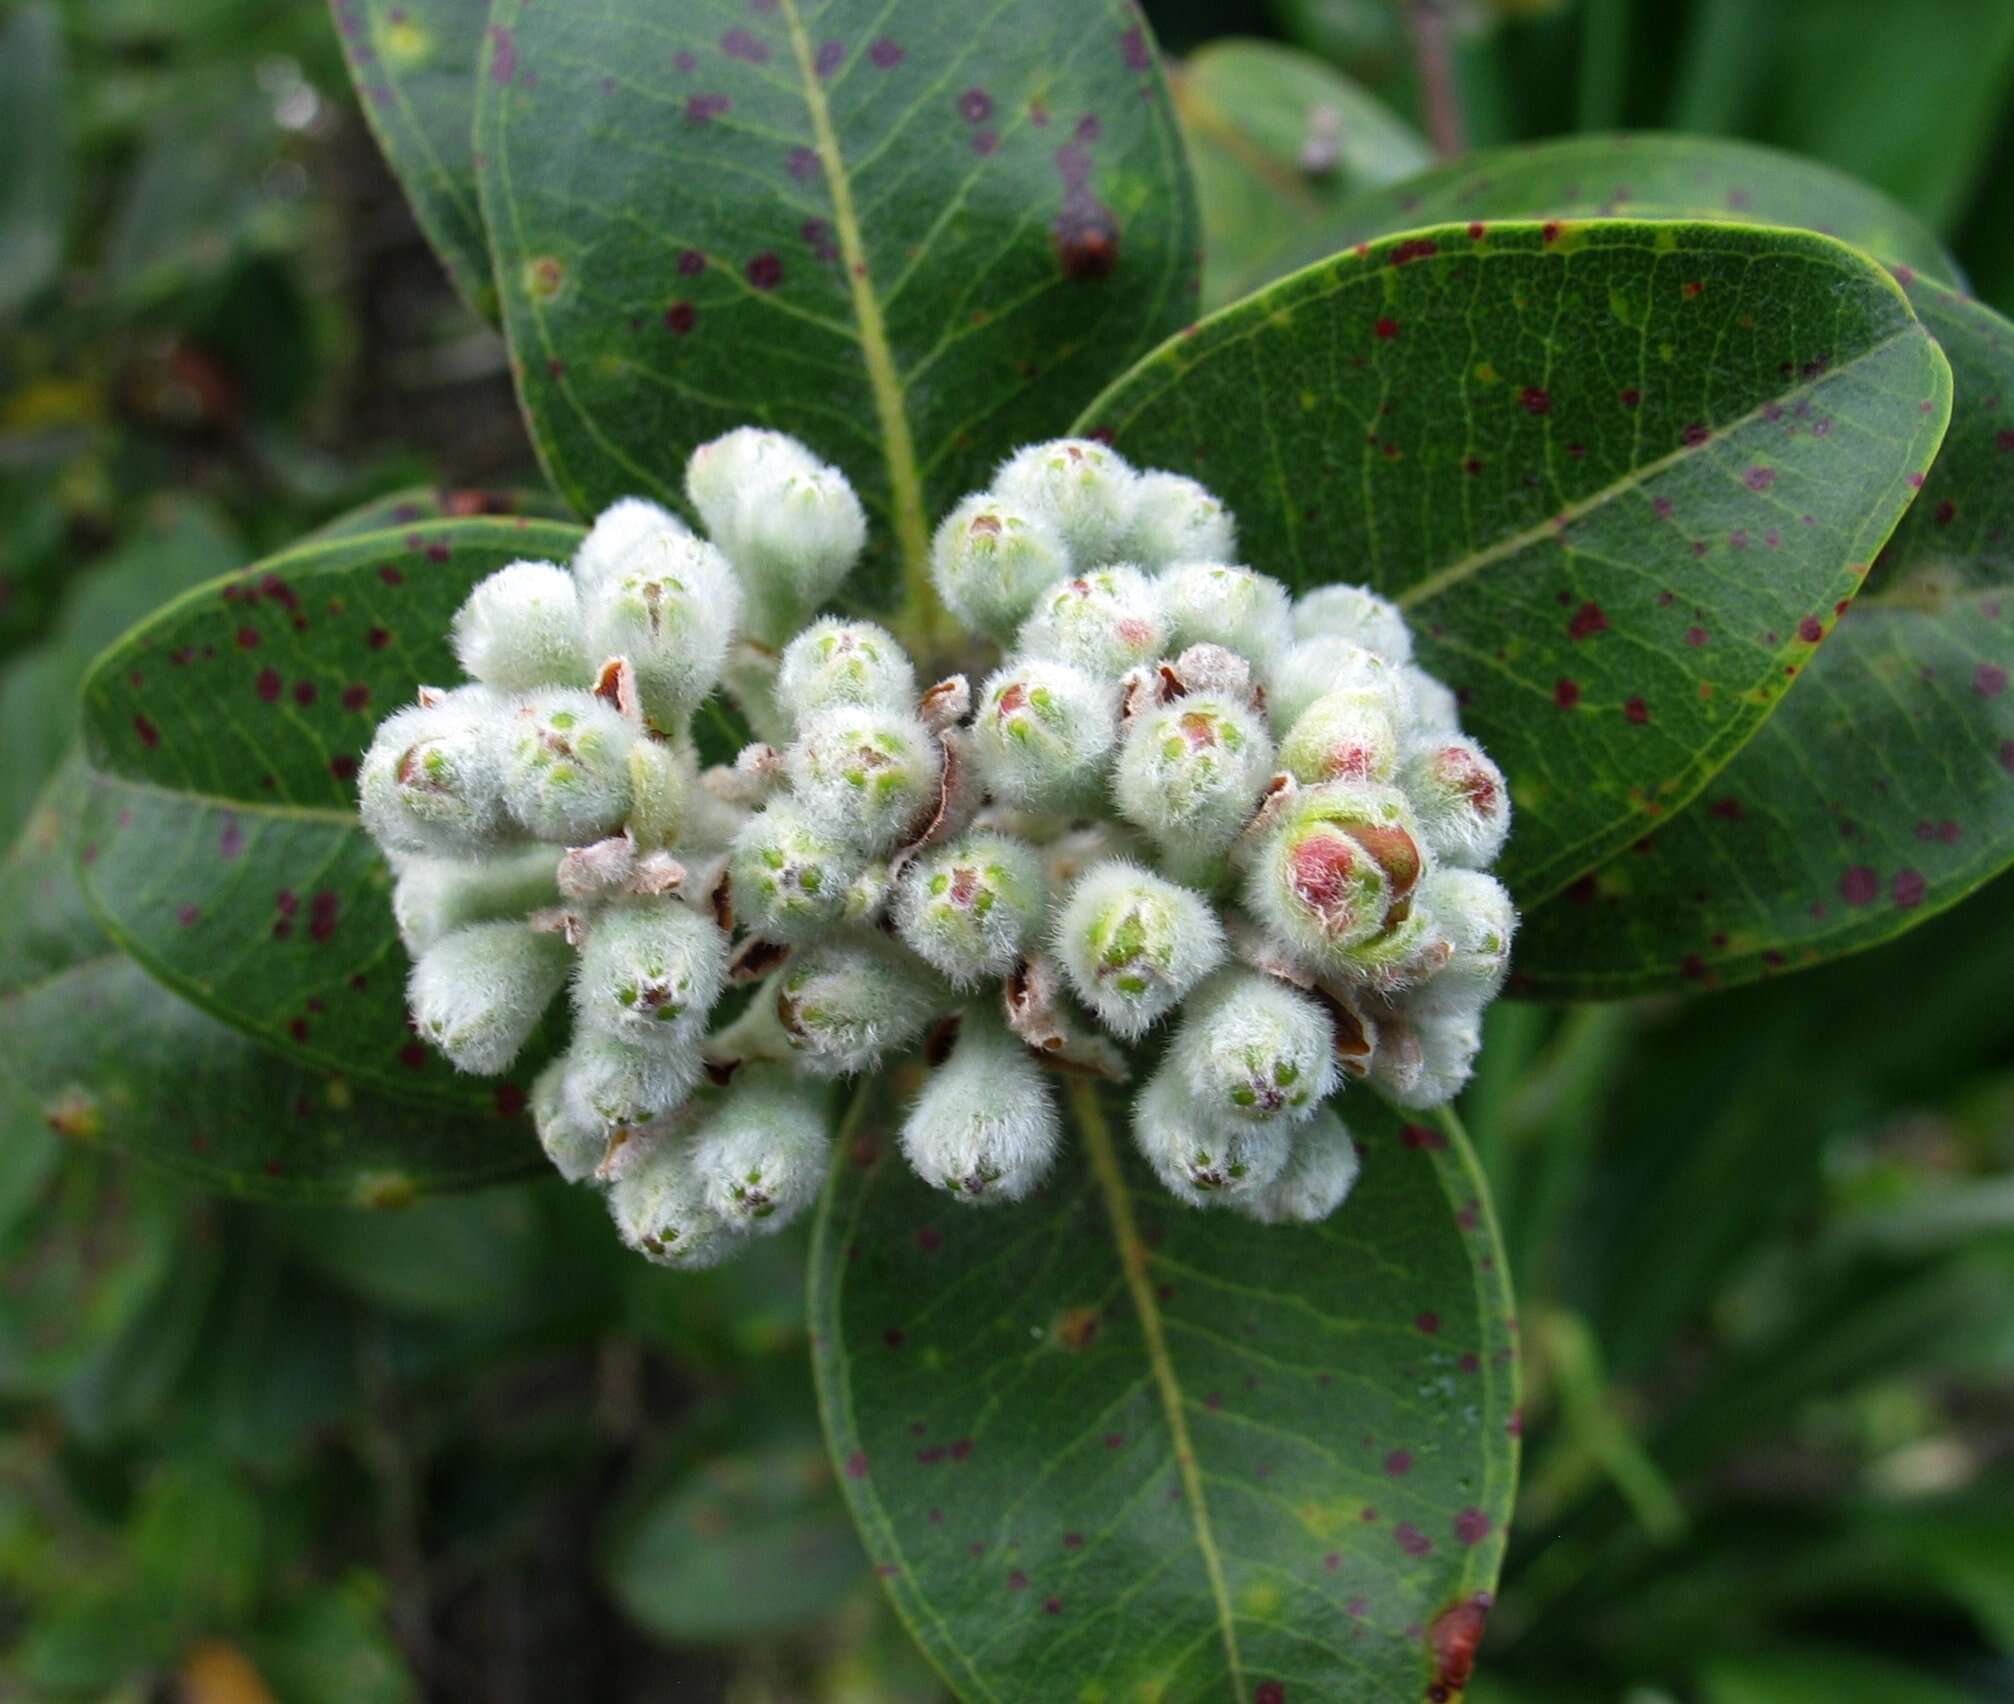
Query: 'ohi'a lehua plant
1184	801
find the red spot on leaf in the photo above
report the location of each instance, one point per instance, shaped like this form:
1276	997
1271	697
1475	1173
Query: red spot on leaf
765	271
1412	249
1909	888
1566	693
1587	621
1989	680
149	735
1859	886
1534	401
886	54
503	56
1636	711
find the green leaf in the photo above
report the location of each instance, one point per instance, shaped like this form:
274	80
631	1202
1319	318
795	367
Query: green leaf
1644	175
1817	1675
423	505
1565	450
414	65
34	153
1883	789
1100	1445
1280	142
220	842
335	1646
914	235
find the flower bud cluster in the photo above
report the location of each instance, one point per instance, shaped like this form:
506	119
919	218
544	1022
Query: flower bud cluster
1189	828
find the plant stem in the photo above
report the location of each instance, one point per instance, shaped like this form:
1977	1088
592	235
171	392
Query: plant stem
1604	64
1433	60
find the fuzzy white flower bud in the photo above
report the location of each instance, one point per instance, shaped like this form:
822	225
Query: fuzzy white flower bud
619	1082
1204	1160
1043	735
1358	614
670	609
1342	736
478	993
566	767
650	971
834	663
795	542
1436	711
1214	603
790	878
1176	520
659	1208
1251	1047
1317	1178
847	1004
1474	914
719	472
985	1127
863	774
969	909
432	782
520	628
1081	488
432	896
991	560
1425	1057
1313	668
574	1139
1338	871
1190	773
663	784
1133	944
1105	621
1462	801
619	531
760	1156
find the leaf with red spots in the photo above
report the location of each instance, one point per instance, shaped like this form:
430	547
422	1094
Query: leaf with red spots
226	854
1261	1436
1280	142
1883	789
1349	457
422	505
414	65
923	235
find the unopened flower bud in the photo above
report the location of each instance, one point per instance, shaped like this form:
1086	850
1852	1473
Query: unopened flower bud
1463	804
1190	773
434	896
1316	1180
432	782
760	1155
834	662
520	628
1436	711
618	531
1215	603
864	775
1358	614
1341	861
620	1082
720	471
1081	488
1043	735
660	1210
985	1127
790	878
663	784
1104	621
1204	1159
574	1139
1176	520
1425	1057
1314	668
670	609
1473	914
794	543
1342	736
478	993
847	1004
1251	1047
970	908
650	971
1133	944
566	767
991	560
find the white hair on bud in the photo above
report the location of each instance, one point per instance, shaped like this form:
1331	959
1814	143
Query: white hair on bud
478	993
618	530
1313	668
1083	489
1177	520
1356	613
864	774
835	662
432	782
1425	1057
991	559
1474	914
795	542
1436	711
1217	603
1190	773
760	1154
847	1004
1104	621
970	908
1462	800
432	896
1201	1158
985	1127
520	628
722	469
1251	1047
566	767
660	1210
663	792
1044	733
670	608
1343	736
1319	1174
573	1138
790	878
1133	944
650	972
619	1082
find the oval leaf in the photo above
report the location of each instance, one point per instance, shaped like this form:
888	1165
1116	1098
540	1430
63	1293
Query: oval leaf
1643	175
1883	790
1619	476
1100	1445
1281	142
414	65
221	843
422	505
914	235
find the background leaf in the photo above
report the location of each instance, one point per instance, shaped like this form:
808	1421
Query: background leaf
1620	476
1230	1457
421	505
913	235
414	65
1280	143
1883	788
220	841
34	153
